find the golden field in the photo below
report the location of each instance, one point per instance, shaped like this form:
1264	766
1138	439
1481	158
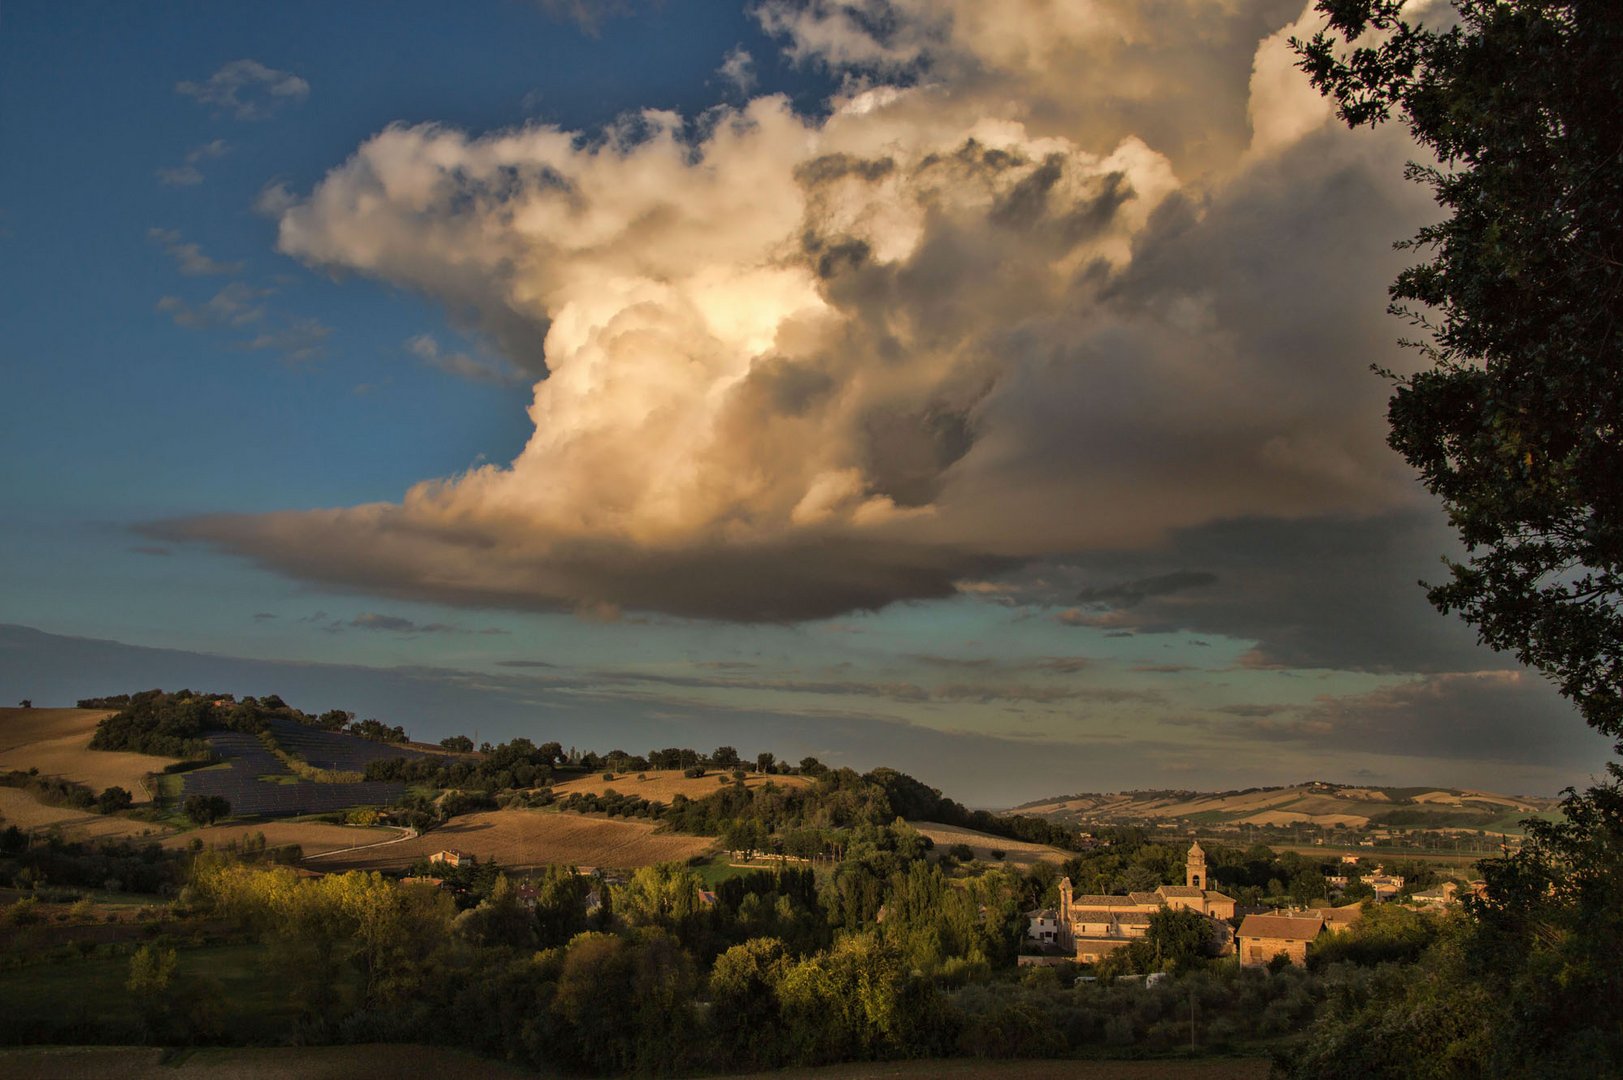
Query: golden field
660	785
1016	852
531	838
57	743
315	837
19	808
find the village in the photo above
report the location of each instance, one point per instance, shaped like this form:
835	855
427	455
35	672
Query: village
1088	928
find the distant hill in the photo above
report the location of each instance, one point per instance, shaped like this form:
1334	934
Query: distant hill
1313	803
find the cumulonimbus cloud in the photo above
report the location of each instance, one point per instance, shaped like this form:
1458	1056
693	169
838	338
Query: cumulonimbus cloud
789	367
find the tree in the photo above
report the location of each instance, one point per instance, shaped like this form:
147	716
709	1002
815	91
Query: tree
113	799
205	809
1175	940
1517	426
26	703
764	761
724	757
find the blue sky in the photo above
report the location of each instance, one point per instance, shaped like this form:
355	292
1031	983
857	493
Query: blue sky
755	417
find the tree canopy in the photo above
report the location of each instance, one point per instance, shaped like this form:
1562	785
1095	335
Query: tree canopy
1515	426
1517	423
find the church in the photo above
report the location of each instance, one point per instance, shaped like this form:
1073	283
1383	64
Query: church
1095	926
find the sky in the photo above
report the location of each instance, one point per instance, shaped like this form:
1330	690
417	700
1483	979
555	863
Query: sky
983	390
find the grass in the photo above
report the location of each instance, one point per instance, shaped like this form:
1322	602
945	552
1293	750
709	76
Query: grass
250	1063
86	995
973	1069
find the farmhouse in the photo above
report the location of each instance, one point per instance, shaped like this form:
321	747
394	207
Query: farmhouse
1263	937
451	857
1094	926
1442	896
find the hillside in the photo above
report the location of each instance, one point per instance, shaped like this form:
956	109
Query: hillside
57	743
1015	852
1316	803
531	838
659	785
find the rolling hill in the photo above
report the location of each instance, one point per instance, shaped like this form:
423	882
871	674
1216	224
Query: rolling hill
1315	803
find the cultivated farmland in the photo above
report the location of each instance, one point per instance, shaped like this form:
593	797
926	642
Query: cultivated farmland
315	837
1016	852
529	838
660	785
57	743
19	808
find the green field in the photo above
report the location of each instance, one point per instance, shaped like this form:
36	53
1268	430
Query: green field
80	998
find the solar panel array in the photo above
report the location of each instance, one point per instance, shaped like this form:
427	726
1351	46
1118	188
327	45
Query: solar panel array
247	760
333	750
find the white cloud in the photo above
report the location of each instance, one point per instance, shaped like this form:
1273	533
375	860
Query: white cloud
795	367
247	89
738	68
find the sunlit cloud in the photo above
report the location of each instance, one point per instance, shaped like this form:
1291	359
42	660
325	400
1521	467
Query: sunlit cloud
788	366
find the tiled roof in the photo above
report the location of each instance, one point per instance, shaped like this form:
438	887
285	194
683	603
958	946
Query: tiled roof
1289	927
1096	900
1153	899
1184	892
1338	916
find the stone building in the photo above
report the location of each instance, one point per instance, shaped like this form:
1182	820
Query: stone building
1263	937
1093	926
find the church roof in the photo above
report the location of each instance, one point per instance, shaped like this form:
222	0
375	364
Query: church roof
1128	916
1196	849
1096	900
1185	892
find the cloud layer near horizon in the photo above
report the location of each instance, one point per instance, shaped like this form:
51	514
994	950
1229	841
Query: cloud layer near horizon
986	310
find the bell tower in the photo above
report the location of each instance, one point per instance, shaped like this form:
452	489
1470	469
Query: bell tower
1195	872
1065	895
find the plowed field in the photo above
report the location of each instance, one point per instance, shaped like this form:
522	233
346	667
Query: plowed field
19	808
659	785
314	837
529	838
1016	852
57	743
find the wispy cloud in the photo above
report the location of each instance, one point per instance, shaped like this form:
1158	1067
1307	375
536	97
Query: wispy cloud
297	338
461	364
188	174
236	305
247	89
189	256
589	15
399	624
739	69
